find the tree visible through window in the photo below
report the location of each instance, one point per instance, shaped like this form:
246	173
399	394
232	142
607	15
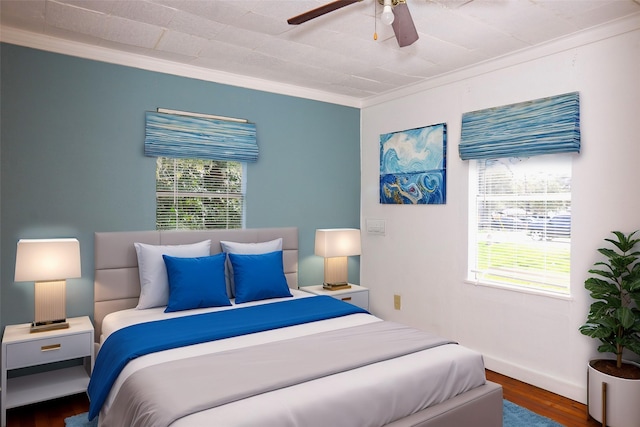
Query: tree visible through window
198	194
520	227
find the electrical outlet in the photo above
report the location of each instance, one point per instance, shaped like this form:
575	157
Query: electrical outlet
397	302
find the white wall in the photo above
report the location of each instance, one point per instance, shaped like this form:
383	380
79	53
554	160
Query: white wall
424	252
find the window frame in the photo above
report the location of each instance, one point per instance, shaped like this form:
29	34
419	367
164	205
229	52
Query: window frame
477	277
224	195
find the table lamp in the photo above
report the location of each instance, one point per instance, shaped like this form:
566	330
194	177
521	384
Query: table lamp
48	263
335	245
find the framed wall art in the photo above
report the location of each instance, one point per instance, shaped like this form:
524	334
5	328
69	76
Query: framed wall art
413	166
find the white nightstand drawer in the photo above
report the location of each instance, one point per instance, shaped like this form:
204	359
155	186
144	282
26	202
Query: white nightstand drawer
47	350
361	299
356	295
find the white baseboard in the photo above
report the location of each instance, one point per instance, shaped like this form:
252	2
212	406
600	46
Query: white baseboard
577	392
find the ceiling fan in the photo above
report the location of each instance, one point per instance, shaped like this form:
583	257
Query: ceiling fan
402	23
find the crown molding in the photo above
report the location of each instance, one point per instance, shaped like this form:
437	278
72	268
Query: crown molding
98	53
602	32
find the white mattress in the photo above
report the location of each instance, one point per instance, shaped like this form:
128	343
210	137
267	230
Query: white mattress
406	384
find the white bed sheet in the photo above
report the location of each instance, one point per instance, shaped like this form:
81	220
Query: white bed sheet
409	383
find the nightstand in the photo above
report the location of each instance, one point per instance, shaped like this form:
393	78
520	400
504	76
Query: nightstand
356	295
22	349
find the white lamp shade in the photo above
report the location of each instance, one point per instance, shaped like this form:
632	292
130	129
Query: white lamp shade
337	242
47	260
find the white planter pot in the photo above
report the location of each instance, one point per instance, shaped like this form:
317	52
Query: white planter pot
623	399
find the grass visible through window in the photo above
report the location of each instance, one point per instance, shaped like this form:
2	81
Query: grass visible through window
544	265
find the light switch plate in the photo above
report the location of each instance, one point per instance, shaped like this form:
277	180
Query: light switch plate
376	226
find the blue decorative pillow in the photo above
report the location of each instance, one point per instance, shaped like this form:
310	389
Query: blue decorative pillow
259	276
196	282
246	249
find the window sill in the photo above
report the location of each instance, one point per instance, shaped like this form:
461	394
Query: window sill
519	289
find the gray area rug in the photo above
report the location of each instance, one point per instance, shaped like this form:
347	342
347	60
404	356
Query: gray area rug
513	416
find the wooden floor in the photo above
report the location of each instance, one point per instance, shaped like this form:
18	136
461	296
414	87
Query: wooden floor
565	411
47	414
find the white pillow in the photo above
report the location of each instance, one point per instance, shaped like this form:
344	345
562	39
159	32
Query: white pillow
154	282
246	249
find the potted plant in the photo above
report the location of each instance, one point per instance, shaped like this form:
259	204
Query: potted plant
614	319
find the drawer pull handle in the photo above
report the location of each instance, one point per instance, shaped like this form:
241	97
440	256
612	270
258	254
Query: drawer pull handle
346	299
51	347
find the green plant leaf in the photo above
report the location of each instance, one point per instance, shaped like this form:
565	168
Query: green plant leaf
625	317
608	322
614	316
609	253
634	284
607	348
634	345
599	287
604	273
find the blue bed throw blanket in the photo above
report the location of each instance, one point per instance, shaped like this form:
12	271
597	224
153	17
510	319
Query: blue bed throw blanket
138	340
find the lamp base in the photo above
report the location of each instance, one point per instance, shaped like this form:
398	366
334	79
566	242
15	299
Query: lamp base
336	286
49	326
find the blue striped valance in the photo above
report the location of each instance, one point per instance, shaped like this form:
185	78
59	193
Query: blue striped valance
542	126
171	135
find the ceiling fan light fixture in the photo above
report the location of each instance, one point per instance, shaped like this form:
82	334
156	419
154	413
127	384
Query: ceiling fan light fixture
387	14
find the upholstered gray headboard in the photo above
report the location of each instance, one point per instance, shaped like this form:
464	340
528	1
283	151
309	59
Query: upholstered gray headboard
117	282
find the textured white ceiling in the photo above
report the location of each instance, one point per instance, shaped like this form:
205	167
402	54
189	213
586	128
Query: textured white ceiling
334	54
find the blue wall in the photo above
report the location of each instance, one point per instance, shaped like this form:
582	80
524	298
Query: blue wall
72	163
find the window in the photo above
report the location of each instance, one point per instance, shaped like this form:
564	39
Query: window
520	222
199	194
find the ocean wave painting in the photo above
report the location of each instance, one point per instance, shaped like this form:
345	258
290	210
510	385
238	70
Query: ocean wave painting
413	166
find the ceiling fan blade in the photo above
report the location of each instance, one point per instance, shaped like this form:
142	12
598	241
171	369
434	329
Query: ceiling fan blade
314	13
403	25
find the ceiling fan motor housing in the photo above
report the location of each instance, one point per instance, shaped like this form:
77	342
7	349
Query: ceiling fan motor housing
402	23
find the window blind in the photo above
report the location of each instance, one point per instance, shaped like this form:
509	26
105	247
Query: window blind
520	222
176	136
198	194
542	126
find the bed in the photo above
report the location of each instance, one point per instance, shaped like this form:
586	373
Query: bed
317	362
